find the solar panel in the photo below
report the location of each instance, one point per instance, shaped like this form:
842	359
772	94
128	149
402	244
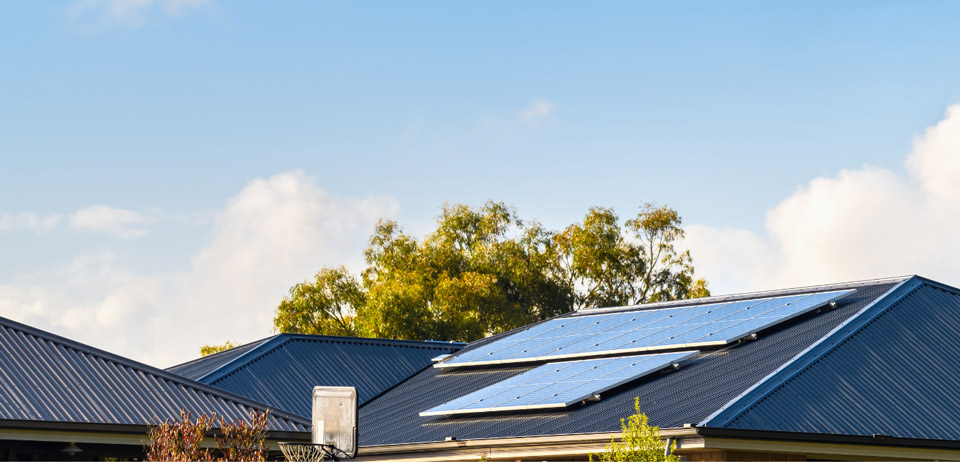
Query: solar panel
557	385
588	335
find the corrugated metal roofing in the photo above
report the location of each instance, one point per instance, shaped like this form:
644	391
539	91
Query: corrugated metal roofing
47	378
894	371
282	370
202	366
687	395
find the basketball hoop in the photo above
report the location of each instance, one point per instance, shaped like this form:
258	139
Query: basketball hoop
303	452
334	429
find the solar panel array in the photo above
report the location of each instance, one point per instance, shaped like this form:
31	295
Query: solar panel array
642	330
557	385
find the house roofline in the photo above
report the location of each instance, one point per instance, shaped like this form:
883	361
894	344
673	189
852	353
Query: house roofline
742	403
31	430
689	439
154	371
743	296
269	344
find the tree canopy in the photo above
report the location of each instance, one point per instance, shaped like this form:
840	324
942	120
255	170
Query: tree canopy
484	270
207	350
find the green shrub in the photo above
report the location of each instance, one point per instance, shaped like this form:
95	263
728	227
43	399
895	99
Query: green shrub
639	442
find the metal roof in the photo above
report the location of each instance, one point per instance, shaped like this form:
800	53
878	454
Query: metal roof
688	395
202	366
50	379
282	370
892	370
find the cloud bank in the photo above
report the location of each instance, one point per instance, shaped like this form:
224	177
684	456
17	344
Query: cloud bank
276	232
861	223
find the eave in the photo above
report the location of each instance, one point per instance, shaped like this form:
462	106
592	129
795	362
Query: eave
688	439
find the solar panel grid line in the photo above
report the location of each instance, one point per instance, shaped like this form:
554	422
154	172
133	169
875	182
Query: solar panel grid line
686	316
491	392
644	331
516	341
638	321
619	366
816	301
557	385
623	319
730	322
519	350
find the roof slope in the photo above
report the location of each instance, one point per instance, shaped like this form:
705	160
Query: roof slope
282	370
688	395
47	378
202	366
894	370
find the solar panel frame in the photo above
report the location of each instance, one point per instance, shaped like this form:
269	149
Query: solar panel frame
539	388
649	330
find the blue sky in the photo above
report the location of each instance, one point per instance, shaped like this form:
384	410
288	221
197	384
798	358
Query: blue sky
133	131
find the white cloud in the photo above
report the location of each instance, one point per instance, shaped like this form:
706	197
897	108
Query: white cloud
102	219
862	223
135	12
274	233
111	220
29	221
538	109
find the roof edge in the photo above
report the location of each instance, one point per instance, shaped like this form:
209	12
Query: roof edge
760	390
266	346
501	441
746	295
155	371
438	344
118	429
270	344
219	353
876	439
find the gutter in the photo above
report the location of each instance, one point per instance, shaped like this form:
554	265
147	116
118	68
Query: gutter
872	440
530	447
77	432
688	439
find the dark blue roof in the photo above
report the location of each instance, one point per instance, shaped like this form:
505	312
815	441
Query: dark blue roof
47	379
207	364
282	370
689	395
892	370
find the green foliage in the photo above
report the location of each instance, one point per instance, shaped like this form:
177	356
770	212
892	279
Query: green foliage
207	350
182	440
639	442
325	305
484	271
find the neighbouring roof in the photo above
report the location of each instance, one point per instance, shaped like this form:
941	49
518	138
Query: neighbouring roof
202	366
282	370
47	379
885	360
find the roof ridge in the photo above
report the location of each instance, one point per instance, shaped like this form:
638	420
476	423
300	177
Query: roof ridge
270	345
743	402
742	295
435	344
148	369
220	353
